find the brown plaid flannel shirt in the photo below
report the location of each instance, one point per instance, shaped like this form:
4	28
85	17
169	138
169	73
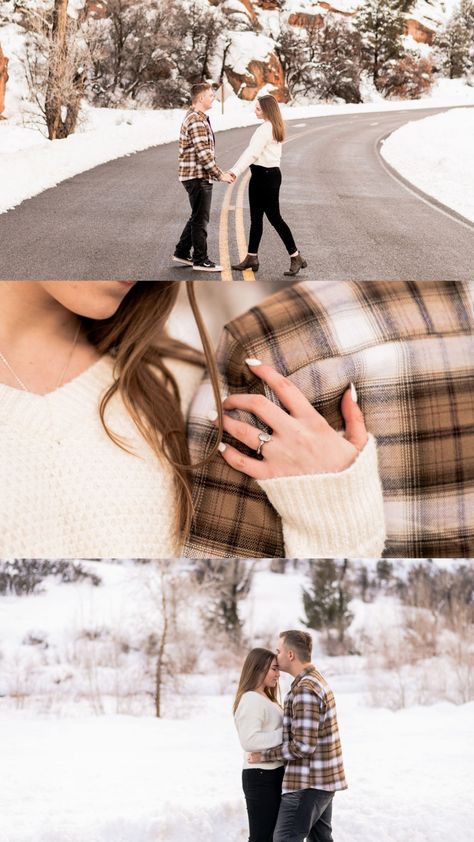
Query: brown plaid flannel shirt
311	745
196	148
408	347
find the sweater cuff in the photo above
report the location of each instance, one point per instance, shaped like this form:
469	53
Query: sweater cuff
332	515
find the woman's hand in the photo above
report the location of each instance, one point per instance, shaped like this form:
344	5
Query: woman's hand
302	442
254	757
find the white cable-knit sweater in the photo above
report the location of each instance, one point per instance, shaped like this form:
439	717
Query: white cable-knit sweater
262	150
259	723
68	491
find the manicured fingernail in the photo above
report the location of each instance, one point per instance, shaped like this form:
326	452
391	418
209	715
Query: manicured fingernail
212	415
253	361
221	447
353	393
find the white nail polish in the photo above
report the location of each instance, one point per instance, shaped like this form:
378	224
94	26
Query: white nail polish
221	447
212	415
353	393
253	361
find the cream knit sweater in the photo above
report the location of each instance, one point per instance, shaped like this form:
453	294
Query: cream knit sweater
68	491
262	150
259	723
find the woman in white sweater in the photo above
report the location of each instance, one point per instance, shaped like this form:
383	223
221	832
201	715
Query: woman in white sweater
258	718
263	156
94	461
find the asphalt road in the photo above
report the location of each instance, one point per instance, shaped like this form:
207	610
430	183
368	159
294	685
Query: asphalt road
352	218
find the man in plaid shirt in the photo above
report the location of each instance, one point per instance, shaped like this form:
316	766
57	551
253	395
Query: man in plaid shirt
408	347
311	747
197	170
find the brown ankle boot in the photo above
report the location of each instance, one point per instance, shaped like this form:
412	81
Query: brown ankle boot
296	263
249	262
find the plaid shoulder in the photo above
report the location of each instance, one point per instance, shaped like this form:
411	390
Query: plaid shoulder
192	117
289	313
308	687
317	320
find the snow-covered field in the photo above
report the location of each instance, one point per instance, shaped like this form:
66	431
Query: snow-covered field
124	779
437	155
69	775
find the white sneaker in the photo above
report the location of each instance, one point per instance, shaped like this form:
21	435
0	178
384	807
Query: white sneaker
207	266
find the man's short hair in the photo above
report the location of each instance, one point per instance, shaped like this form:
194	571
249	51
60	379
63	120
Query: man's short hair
199	88
300	642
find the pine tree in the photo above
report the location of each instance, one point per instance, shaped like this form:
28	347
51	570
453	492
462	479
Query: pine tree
228	582
454	44
327	598
384	570
321	60
381	24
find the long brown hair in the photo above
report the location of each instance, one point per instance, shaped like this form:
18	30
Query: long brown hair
272	112
137	339
254	670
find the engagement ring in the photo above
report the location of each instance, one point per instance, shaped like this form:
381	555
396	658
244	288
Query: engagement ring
263	438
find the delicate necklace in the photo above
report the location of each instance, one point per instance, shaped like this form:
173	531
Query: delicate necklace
63	371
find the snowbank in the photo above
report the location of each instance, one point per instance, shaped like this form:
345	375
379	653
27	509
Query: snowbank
436	154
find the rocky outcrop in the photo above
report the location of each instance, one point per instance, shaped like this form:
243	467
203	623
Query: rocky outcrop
420	33
249	8
259	74
3	80
305	20
330	8
268	5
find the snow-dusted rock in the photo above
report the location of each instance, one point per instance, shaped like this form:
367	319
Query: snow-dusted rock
252	64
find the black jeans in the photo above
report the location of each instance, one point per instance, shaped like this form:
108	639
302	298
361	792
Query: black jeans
194	234
262	790
305	814
264	198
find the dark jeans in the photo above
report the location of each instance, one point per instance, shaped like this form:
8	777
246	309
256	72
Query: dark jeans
194	234
305	814
264	198
262	790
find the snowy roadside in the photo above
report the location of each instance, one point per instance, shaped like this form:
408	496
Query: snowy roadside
29	163
437	156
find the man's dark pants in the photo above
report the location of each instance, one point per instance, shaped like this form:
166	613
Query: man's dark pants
305	814
194	234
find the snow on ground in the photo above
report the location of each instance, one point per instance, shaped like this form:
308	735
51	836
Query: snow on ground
29	163
437	155
125	779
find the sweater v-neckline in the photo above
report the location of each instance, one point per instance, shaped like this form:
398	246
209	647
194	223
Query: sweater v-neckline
68	402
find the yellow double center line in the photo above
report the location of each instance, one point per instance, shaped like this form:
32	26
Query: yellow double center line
238	208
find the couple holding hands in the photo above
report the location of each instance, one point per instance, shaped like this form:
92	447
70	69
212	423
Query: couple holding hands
198	169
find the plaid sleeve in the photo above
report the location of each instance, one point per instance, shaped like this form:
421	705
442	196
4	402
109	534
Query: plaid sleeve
270	754
232	515
304	724
199	135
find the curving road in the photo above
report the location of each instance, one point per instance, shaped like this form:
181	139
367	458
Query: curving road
352	217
